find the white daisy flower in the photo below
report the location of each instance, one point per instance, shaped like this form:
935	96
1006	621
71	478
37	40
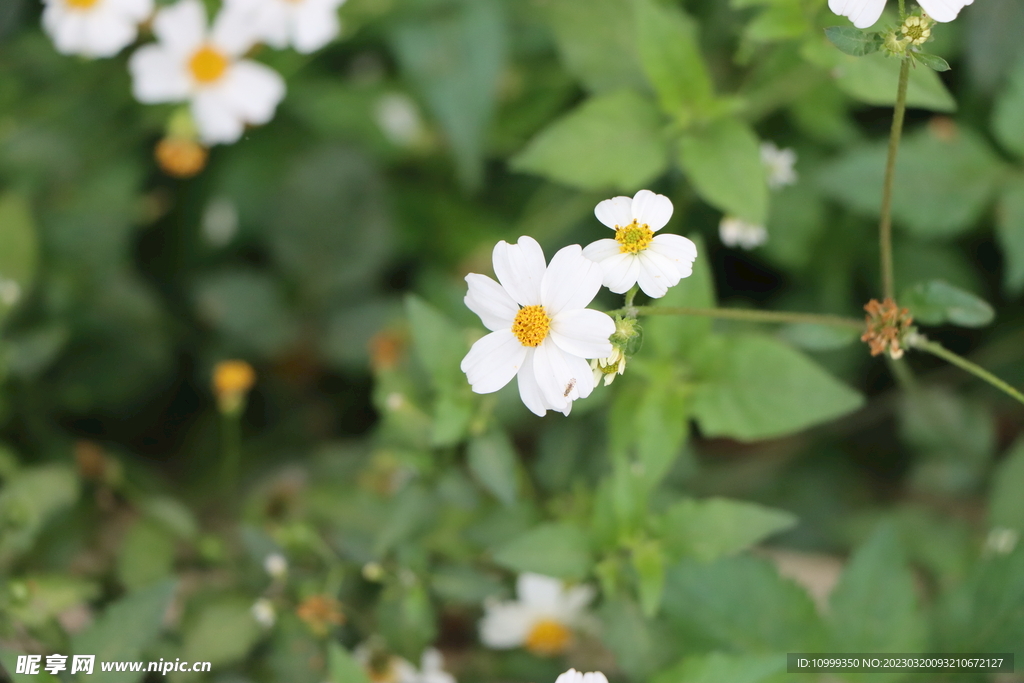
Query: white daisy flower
864	13
574	676
276	565
780	165
264	613
541	330
392	669
542	618
204	66
636	255
739	233
94	28
306	25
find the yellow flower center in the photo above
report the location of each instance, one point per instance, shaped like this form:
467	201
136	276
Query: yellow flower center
208	64
633	238
531	325
81	4
548	638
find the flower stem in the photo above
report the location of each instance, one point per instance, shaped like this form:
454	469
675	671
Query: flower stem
751	315
885	226
903	10
924	344
629	309
231	449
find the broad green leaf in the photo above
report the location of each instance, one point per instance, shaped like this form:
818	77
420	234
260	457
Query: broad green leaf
754	387
342	667
412	510
221	633
49	595
493	462
874	606
853	41
123	630
741	603
933	62
439	344
146	554
560	550
463	584
723	161
677	336
453	410
597	42
648	560
611	142
1006	504
782	20
715	527
873	79
456	59
1010	232
670	53
937	302
946	177
406	619
173	515
27	501
248	310
641	646
1009	112
718	667
18	250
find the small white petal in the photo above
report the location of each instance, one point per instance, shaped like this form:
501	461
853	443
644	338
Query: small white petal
943	10
157	75
493	361
571	281
594	677
616	211
538	591
570	676
505	625
181	27
214	118
863	13
602	249
676	248
584	376
253	91
107	32
651	209
657	274
491	302
529	390
554	375
233	33
583	332
520	268
578	597
621	272
139	10
314	27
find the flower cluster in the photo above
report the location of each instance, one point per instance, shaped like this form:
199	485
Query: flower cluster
541	619
780	169
542	332
887	325
864	13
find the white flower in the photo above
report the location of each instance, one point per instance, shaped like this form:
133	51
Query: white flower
864	13
739	233
574	676
541	619
10	292
276	565
94	28
394	669
263	612
636	255
779	163
306	25
399	119
608	368
1001	541
541	330
205	67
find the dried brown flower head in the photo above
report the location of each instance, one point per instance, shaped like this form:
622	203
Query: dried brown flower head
320	612
887	324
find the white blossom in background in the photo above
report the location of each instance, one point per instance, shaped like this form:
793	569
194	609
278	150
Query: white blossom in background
204	66
395	669
399	119
864	13
541	619
636	255
276	565
574	676
541	329
780	164
1001	541
739	233
306	25
94	28
10	292
220	221
264	613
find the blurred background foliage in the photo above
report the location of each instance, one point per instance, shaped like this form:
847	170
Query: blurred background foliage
328	249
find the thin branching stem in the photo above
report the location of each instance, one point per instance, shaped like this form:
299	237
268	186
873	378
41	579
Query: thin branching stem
885	225
748	315
922	343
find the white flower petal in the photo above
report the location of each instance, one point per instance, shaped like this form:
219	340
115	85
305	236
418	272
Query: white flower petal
314	26
570	676
602	249
493	361
584	374
616	211
657	274
863	13
554	375
578	597
181	27
654	210
68	30
943	10
158	75
505	625
621	272
583	332
491	302
538	591
215	119
107	32
253	91
529	390
234	32
594	677
139	10
520	268
676	248
571	281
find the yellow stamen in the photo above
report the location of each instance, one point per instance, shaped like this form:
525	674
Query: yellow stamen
548	638
633	238
81	4
531	325
208	64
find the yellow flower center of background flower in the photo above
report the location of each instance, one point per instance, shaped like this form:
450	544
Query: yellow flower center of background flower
208	64
633	238
547	638
81	4
531	325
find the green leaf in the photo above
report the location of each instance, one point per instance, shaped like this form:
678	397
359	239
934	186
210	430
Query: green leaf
937	302
27	501
754	387
933	62
342	667
1010	233
439	344
670	54
1006	504
493	462
649	563
853	41
874	606
873	79
723	161
222	633
456	59
716	527
560	550
717	667
48	596
1009	112
678	336
146	554
611	142
641	646
126	628
406	619
9	661
18	250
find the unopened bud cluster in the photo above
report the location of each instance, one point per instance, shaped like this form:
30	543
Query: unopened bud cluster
625	341
915	31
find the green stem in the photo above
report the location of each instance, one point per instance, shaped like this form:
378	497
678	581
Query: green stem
885	226
924	344
231	449
750	315
903	10
629	309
